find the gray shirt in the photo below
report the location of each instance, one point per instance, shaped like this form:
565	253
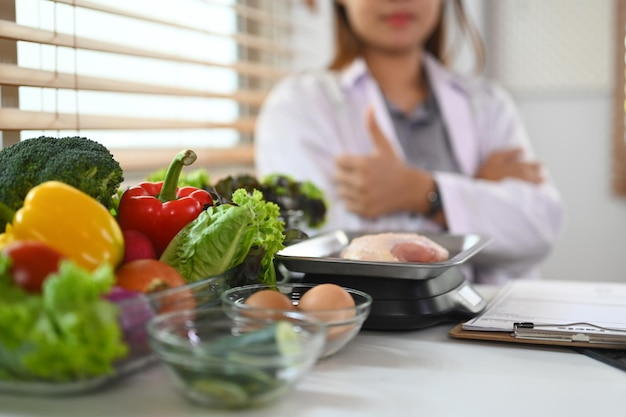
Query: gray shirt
423	136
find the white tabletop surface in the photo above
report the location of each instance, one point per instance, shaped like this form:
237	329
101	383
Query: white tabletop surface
381	374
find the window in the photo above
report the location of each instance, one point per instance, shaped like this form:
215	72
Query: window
145	77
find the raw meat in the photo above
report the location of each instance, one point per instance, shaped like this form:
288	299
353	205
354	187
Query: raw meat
395	247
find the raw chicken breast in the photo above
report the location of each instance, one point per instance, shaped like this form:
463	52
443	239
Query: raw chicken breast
395	247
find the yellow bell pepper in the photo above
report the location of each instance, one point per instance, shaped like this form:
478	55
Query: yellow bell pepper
70	221
5	239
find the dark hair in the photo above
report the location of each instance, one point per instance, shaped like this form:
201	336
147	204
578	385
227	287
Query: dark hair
348	47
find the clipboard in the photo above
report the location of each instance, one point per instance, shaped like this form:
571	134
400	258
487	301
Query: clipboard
459	333
557	313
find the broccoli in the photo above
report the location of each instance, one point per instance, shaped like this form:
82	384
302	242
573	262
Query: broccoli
77	161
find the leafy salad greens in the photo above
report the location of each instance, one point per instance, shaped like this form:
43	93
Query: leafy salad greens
66	333
244	232
283	190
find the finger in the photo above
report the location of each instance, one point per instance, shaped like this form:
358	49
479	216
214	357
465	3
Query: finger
343	163
349	180
512	154
351	197
381	144
527	171
342	178
535	172
348	192
346	162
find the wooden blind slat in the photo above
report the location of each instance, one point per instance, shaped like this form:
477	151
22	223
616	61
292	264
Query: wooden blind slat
241	38
252	13
20	76
14	119
135	159
10	30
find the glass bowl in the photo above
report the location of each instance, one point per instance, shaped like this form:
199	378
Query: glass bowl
225	362
135	310
343	324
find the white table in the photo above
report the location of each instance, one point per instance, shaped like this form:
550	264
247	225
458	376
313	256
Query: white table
417	373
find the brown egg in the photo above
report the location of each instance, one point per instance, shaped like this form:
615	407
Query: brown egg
329	303
268	299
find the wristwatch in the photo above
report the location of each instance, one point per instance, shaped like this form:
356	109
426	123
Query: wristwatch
436	205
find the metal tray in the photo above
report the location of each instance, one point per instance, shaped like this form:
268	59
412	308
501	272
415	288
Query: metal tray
320	255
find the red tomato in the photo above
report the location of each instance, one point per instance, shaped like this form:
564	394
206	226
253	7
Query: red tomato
151	276
31	263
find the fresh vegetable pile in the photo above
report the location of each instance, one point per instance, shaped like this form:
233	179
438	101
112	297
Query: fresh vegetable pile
287	193
76	245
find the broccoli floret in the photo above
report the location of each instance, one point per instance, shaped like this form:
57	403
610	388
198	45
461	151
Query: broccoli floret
77	161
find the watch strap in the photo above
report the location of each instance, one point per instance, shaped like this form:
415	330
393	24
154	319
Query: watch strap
436	204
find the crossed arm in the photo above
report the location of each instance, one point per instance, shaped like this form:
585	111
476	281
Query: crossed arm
378	184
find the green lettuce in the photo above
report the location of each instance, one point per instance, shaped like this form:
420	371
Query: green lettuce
226	236
66	333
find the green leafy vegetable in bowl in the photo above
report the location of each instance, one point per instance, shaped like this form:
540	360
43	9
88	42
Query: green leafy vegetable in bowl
66	333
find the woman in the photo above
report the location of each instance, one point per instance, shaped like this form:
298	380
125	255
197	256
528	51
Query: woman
398	142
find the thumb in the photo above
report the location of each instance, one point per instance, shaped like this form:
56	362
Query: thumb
380	141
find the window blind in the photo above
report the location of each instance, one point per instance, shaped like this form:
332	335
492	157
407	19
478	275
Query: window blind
145	77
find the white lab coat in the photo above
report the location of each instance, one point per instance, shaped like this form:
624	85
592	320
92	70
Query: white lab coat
311	118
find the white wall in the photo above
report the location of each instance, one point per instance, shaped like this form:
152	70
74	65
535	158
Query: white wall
572	137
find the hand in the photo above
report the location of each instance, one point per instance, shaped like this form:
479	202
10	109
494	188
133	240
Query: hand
380	183
508	164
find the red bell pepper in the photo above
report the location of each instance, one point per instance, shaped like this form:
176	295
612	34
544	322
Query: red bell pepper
160	210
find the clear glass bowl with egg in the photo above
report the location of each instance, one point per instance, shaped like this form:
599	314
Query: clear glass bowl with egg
225	362
342	310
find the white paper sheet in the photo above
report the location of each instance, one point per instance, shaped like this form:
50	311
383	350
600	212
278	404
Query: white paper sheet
601	304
